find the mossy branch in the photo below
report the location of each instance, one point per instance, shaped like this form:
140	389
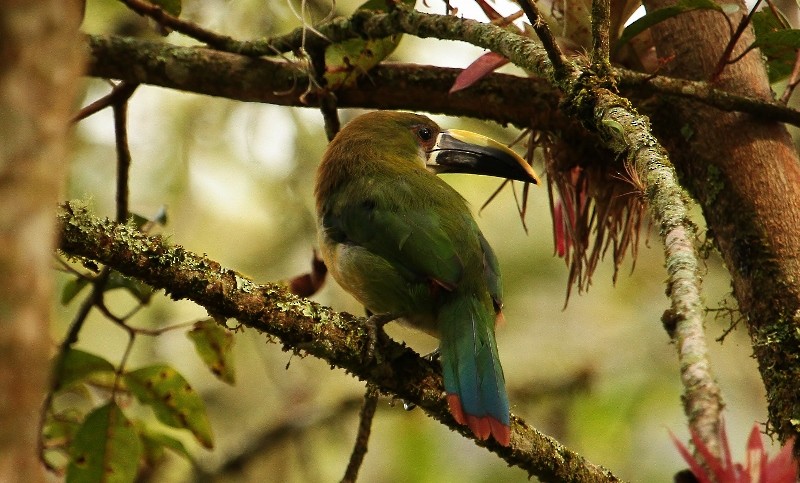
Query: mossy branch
303	326
629	133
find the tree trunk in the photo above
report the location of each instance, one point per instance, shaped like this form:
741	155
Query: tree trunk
39	69
745	174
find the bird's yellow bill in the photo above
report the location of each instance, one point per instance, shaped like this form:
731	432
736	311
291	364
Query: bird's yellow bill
458	151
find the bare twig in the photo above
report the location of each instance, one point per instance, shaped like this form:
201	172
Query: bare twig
362	438
94	297
725	58
794	79
545	35
120	106
143	7
327	99
123	90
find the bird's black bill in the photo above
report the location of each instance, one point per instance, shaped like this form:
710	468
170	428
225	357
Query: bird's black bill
459	151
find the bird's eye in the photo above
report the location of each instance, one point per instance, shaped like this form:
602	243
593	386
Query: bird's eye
425	133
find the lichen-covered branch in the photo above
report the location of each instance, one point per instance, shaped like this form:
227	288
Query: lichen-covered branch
303	326
629	133
388	86
601	43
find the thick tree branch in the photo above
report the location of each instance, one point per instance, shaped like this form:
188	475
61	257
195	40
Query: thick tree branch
388	86
303	326
684	320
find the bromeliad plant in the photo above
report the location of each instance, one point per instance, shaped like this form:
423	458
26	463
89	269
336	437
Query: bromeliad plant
758	468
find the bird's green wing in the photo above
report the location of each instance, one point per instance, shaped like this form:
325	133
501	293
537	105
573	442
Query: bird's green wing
409	236
491	272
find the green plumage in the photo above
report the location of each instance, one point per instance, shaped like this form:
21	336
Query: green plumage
403	242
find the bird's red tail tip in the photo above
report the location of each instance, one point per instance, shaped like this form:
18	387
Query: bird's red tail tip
482	426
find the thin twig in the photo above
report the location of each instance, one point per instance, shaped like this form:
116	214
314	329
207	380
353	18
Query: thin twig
122	363
545	35
794	79
725	58
601	46
327	99
122	90
362	438
120	106
185	27
98	287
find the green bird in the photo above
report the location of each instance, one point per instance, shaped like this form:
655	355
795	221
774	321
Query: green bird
405	245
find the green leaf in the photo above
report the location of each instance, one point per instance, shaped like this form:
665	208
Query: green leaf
106	448
658	16
139	220
77	365
172	7
62	429
778	43
144	223
154	443
140	290
72	288
173	400
213	344
346	61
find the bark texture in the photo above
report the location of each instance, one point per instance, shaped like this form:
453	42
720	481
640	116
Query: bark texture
745	174
39	68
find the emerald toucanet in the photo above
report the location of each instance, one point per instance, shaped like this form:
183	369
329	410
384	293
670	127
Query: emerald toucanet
404	243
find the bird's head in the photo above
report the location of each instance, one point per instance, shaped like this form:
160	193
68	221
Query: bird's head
403	137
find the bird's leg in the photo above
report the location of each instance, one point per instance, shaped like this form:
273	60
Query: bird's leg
375	324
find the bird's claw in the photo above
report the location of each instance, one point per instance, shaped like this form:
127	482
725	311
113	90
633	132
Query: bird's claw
375	325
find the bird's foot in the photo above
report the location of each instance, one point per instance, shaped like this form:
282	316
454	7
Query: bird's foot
375	325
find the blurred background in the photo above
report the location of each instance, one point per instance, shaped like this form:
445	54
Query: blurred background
598	374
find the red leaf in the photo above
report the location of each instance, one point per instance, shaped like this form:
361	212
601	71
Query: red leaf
723	470
782	468
694	465
758	469
756	458
308	284
560	235
477	70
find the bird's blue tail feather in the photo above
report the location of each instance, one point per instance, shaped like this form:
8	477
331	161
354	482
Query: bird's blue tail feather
473	377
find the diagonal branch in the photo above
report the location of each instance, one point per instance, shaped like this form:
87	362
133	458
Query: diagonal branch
303	326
